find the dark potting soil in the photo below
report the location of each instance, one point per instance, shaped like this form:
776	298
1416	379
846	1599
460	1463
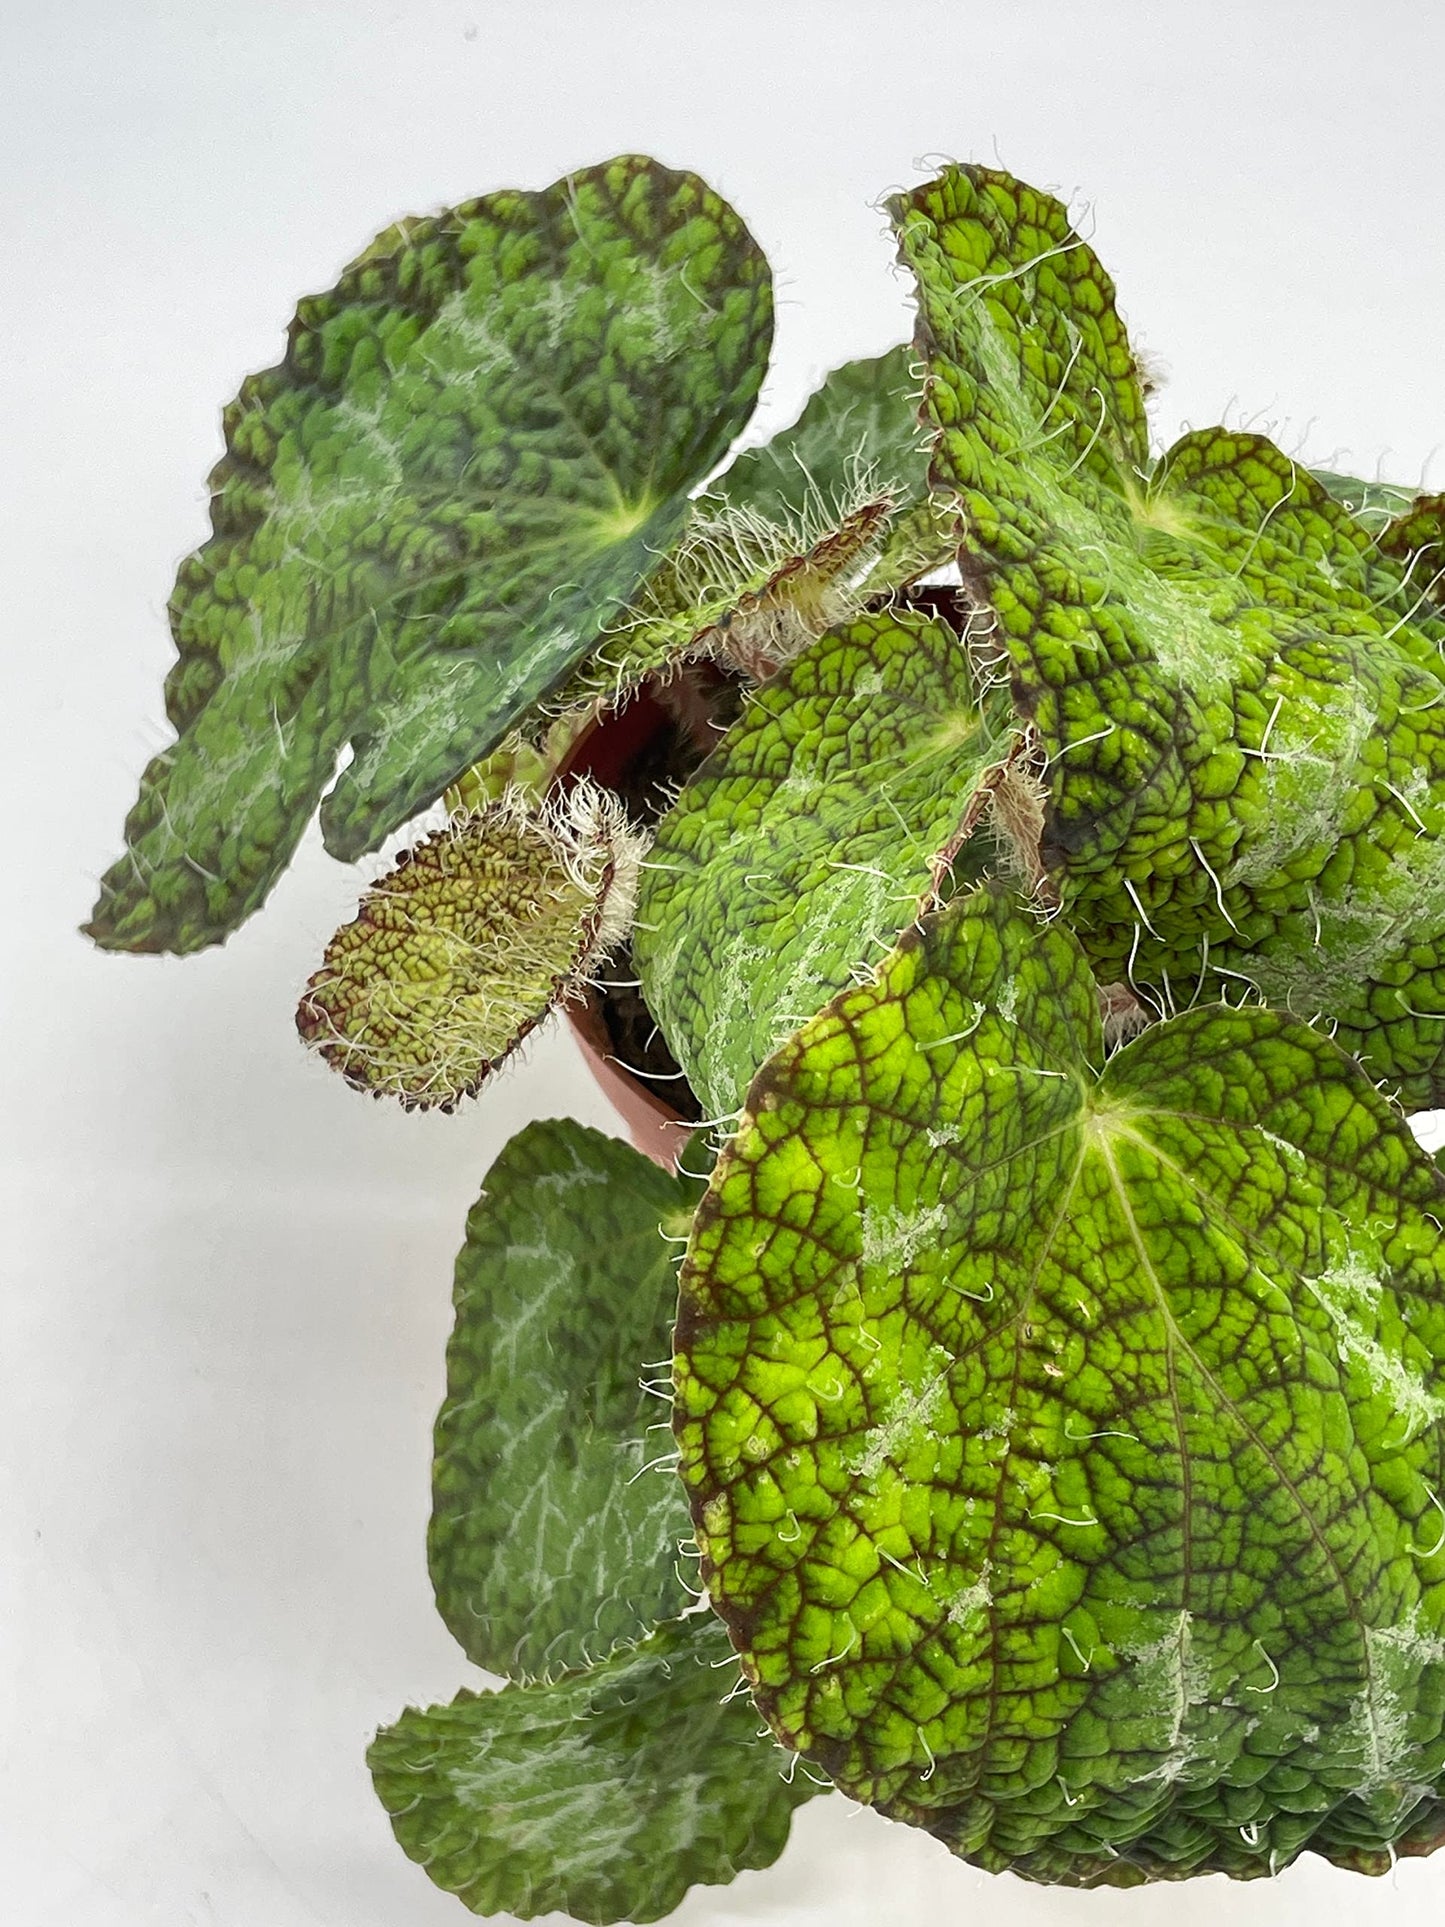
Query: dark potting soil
637	1043
678	725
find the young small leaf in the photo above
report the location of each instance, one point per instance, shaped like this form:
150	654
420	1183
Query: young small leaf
818	827
459	952
604	1795
556	1510
1065	1437
859	432
750	591
793	530
1241	701
475	450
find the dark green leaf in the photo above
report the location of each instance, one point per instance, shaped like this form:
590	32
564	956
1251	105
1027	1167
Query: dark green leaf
604	1795
474	452
550	1539
1241	701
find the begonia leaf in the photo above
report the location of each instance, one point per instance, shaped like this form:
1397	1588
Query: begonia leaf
831	509
556	1508
605	1794
477	447
465	945
1241	701
1065	1435
822	823
770	587
859	432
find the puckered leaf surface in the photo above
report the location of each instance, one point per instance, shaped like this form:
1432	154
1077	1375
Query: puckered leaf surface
460	950
1064	1437
477	447
1416	538
1241	698
810	836
605	1795
549	1541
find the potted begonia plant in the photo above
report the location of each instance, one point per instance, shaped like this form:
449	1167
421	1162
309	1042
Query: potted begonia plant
1010	1386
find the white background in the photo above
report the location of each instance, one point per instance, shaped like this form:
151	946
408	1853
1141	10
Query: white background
226	1292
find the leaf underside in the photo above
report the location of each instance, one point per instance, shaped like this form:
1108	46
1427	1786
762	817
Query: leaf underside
604	1795
809	838
477	447
1239	692
556	1510
725	579
1064	1437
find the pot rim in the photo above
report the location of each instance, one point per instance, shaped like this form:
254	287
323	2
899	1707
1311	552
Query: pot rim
602	751
655	1128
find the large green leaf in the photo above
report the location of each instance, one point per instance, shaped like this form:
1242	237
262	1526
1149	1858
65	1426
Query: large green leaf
813	833
475	450
1065	1437
556	1509
1240	698
604	1795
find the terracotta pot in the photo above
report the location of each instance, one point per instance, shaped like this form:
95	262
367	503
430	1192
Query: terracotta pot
654	1127
604	752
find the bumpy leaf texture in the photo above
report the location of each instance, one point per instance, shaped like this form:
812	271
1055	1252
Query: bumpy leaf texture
1239	691
605	1795
477	447
460	950
828	816
1416	537
556	1508
1065	1437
